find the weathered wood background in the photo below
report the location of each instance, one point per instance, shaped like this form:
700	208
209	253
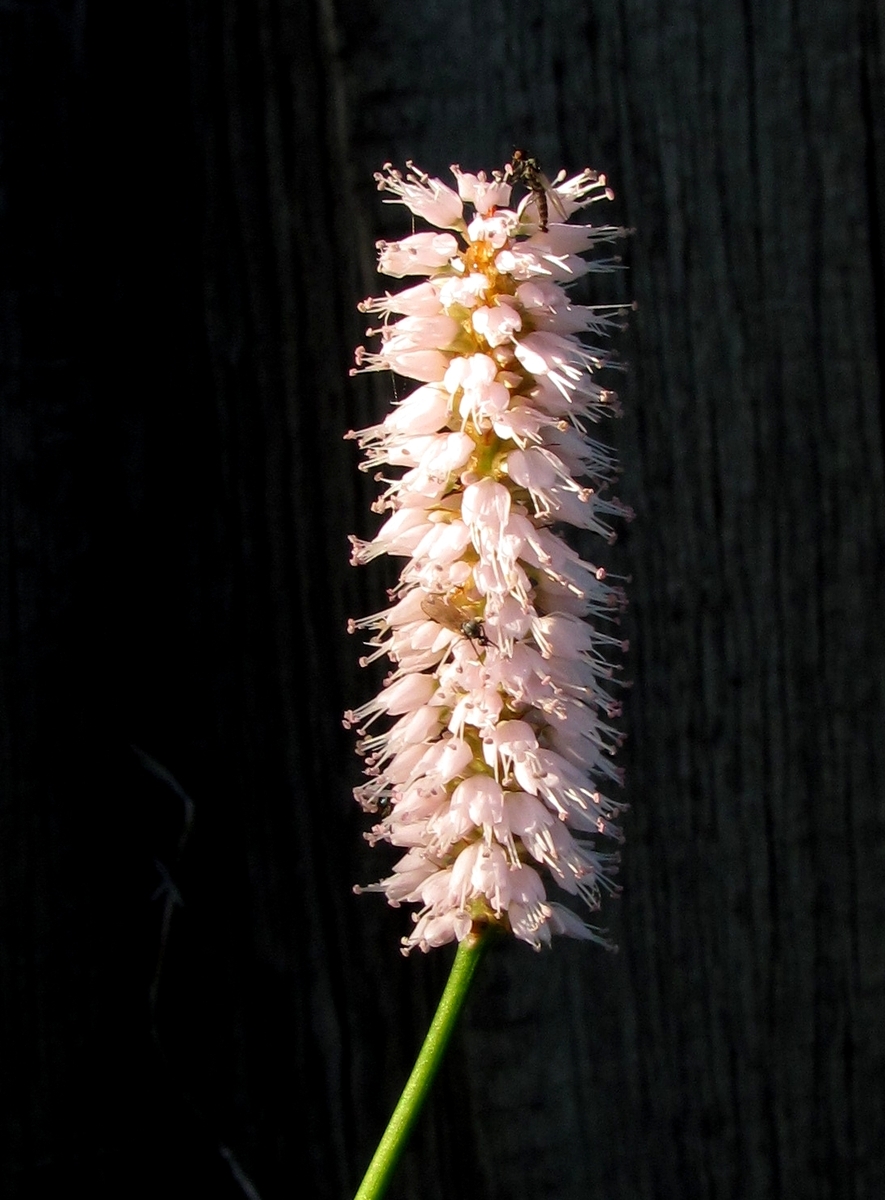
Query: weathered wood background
188	222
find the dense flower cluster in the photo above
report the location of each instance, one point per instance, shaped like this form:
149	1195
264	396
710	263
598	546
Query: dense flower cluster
497	733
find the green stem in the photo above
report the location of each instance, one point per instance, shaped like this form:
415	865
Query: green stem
427	1064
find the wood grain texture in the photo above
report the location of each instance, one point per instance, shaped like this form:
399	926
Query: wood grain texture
189	218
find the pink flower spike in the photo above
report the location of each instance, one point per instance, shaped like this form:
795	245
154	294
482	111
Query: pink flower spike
490	745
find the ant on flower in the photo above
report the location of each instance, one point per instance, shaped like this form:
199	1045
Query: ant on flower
526	170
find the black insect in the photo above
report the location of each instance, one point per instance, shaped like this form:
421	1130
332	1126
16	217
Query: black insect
450	616
527	171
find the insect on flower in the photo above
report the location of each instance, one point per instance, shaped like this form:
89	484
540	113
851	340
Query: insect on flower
450	616
526	170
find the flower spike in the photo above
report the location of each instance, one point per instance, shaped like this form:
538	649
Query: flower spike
497	713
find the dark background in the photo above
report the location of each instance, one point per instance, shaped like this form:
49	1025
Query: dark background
193	1003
